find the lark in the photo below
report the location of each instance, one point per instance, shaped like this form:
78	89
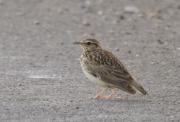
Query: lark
105	69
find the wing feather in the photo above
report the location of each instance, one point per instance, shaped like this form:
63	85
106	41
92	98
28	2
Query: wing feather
111	70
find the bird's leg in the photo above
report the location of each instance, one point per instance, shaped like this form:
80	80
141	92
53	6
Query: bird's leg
98	95
113	93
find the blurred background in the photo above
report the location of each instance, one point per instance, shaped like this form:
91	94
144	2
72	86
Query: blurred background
40	75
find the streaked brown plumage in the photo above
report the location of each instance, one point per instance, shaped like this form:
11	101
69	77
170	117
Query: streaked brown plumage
101	65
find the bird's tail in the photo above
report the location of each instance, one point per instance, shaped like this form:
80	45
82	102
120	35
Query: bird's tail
139	88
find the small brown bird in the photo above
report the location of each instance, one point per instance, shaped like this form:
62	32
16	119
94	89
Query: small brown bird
104	68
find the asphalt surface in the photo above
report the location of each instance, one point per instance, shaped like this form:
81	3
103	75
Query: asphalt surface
40	75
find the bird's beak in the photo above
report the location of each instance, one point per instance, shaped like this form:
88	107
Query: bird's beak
77	43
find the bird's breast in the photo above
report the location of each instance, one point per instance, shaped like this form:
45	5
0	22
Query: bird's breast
89	74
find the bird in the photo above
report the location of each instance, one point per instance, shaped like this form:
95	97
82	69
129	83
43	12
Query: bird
104	68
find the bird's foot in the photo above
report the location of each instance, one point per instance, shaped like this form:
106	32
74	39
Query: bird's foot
99	97
106	97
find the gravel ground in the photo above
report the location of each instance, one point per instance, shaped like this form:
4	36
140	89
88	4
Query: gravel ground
40	75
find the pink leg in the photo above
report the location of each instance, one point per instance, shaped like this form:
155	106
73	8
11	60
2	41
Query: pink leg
98	96
113	93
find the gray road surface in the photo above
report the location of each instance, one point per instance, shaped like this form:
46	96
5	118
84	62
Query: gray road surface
40	75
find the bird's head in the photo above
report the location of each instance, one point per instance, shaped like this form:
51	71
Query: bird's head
89	44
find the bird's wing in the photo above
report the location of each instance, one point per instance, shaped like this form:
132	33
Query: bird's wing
115	78
111	71
111	74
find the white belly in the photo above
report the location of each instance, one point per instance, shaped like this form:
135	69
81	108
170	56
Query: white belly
92	78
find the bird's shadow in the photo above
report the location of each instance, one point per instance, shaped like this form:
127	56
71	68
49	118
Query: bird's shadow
127	100
131	100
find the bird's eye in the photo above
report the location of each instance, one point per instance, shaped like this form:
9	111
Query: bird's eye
88	43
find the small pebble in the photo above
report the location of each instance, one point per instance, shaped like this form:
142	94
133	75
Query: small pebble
152	62
46	56
100	12
131	9
36	22
20	84
62	43
88	2
66	9
178	48
178	7
86	23
60	53
117	49
77	107
1	2
129	51
115	21
128	33
83	6
160	41
137	55
118	20
121	17
60	11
